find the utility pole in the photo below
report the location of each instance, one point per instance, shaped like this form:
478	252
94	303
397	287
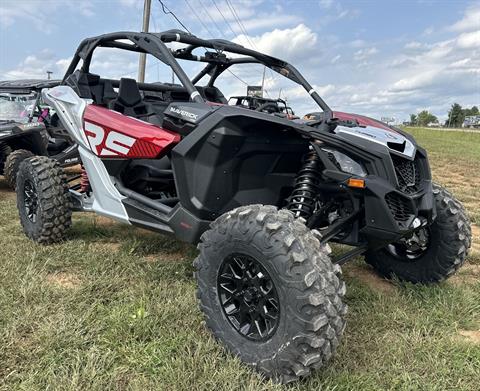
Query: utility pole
263	79
143	57
49	75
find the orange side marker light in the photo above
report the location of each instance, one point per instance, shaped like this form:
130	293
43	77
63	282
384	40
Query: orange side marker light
357	183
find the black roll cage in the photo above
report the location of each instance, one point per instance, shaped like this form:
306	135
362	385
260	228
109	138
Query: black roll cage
217	62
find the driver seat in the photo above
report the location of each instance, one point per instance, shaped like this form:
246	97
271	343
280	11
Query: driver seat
129	100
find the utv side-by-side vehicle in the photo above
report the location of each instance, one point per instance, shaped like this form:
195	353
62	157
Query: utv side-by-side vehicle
267	105
262	195
28	127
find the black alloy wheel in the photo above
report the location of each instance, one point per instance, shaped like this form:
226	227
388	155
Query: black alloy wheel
30	201
248	297
412	248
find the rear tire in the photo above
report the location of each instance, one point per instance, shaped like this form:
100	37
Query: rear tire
306	324
5	150
42	200
12	164
450	237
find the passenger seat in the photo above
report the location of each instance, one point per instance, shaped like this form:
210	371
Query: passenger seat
129	100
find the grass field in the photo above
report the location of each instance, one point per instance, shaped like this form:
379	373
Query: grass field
114	308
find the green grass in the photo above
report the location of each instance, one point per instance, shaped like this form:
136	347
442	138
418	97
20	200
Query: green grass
455	161
114	308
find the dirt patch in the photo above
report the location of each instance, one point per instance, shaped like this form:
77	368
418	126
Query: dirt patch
5	191
112	247
472	336
475	239
467	275
104	221
63	280
173	257
369	278
468	268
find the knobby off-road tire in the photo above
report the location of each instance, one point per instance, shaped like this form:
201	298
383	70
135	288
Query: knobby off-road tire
450	237
311	316
5	150
12	164
41	181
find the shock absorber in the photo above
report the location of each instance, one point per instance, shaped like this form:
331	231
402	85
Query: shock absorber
305	191
84	181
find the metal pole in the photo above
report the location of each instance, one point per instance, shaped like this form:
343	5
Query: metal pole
143	57
263	79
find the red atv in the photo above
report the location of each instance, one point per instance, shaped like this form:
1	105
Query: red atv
262	194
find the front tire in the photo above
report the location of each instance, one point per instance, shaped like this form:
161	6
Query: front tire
445	247
12	164
269	291
42	200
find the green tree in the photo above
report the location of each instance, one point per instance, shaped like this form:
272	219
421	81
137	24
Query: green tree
413	119
472	111
456	116
425	117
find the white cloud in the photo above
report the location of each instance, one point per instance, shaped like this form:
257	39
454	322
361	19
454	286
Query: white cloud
364	54
300	40
326	3
335	59
414	45
469	40
35	66
470	20
428	31
266	21
357	43
130	3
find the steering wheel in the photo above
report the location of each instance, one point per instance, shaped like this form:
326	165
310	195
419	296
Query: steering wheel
272	105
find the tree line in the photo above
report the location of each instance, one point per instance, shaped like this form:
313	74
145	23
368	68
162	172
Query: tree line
456	116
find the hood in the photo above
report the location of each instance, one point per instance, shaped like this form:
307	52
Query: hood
374	131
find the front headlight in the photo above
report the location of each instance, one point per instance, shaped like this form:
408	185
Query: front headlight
345	162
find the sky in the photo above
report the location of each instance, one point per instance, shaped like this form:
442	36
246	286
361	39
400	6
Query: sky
380	58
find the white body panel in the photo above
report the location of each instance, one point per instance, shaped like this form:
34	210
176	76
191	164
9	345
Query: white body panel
380	136
106	199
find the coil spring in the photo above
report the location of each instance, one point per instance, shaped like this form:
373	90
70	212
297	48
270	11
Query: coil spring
305	191
84	181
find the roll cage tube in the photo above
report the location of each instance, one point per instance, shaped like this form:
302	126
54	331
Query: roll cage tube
142	43
154	44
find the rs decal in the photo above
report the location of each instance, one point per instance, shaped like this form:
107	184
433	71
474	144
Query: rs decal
107	143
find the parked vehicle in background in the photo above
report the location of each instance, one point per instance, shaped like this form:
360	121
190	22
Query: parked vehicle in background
471	121
267	105
29	127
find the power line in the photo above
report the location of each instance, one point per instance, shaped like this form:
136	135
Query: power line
167	11
247	37
239	22
212	35
199	19
205	9
224	18
210	17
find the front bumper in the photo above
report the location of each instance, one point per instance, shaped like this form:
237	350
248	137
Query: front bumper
391	214
397	198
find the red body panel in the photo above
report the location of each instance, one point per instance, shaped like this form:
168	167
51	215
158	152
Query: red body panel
363	121
114	135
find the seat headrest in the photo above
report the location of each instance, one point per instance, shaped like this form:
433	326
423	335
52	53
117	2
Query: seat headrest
128	92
